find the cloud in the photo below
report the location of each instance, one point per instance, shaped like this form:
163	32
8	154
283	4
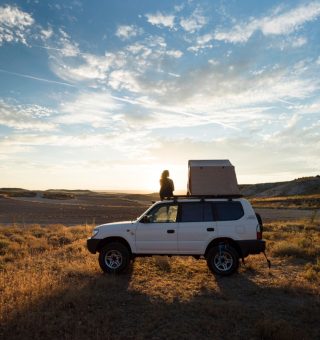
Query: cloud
291	20
193	23
126	32
88	67
14	24
290	151
161	20
68	48
26	117
276	24
124	80
299	42
175	53
113	145
46	34
202	42
123	69
97	109
216	87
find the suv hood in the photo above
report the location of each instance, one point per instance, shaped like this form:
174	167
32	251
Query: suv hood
115	224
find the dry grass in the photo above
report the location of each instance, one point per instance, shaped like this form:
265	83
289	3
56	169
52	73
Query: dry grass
52	288
291	202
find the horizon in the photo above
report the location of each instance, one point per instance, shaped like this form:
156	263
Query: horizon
178	191
109	94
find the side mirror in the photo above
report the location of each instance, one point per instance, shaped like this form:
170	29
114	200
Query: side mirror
146	219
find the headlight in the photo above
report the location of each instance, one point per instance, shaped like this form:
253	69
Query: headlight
95	232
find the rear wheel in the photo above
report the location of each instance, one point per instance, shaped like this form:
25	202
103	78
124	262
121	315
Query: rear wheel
114	258
223	260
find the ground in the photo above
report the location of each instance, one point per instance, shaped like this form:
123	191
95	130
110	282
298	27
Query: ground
51	287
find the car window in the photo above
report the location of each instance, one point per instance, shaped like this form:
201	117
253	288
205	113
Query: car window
208	212
228	211
164	214
196	212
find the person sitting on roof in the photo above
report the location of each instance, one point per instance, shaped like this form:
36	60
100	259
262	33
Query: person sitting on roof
166	185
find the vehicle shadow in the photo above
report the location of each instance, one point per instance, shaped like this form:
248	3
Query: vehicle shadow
98	306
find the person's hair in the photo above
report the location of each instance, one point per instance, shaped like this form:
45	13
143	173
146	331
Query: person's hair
165	174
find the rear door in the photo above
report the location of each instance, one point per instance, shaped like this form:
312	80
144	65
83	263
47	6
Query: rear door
196	227
230	218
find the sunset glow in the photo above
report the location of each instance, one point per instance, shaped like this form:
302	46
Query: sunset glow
105	95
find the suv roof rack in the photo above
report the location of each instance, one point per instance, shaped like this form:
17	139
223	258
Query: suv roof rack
203	197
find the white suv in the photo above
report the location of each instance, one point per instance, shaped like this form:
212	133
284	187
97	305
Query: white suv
221	230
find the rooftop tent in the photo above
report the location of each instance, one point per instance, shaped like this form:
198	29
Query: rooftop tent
212	177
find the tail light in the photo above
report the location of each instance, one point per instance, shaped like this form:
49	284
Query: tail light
259	227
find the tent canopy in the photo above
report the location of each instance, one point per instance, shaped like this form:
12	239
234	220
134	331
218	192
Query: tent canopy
212	177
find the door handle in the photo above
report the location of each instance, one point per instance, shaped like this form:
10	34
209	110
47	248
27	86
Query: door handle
210	229
170	231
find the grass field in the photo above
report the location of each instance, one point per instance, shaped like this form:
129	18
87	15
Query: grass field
52	288
287	202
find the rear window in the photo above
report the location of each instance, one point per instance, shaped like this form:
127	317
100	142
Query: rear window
228	211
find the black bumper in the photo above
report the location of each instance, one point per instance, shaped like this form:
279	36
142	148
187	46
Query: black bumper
252	247
92	245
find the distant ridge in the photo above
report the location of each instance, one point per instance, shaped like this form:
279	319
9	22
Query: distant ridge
299	186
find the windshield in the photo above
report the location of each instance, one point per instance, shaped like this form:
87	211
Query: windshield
146	212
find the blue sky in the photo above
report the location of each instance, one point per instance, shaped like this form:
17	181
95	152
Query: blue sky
107	94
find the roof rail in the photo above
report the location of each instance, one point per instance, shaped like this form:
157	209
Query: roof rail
203	197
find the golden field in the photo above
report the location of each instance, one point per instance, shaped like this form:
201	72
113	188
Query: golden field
51	287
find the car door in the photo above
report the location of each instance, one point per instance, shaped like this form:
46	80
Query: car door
230	218
196	227
156	233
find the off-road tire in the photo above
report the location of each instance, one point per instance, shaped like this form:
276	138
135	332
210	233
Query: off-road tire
223	260
114	258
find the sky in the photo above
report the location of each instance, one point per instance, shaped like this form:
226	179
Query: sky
104	95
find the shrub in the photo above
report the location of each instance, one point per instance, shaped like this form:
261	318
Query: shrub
312	272
285	248
162	264
4	245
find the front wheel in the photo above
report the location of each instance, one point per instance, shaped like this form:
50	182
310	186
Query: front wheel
114	258
223	260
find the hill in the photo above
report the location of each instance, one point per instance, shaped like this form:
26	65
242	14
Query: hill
299	186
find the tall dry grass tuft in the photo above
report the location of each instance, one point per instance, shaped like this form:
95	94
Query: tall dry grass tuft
299	239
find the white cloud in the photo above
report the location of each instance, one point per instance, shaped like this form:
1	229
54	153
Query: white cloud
193	23
276	24
97	109
68	47
89	67
213	62
290	42
160	19
310	108
202	42
126	32
46	34
26	117
122	79
290	21
300	41
14	24
175	53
